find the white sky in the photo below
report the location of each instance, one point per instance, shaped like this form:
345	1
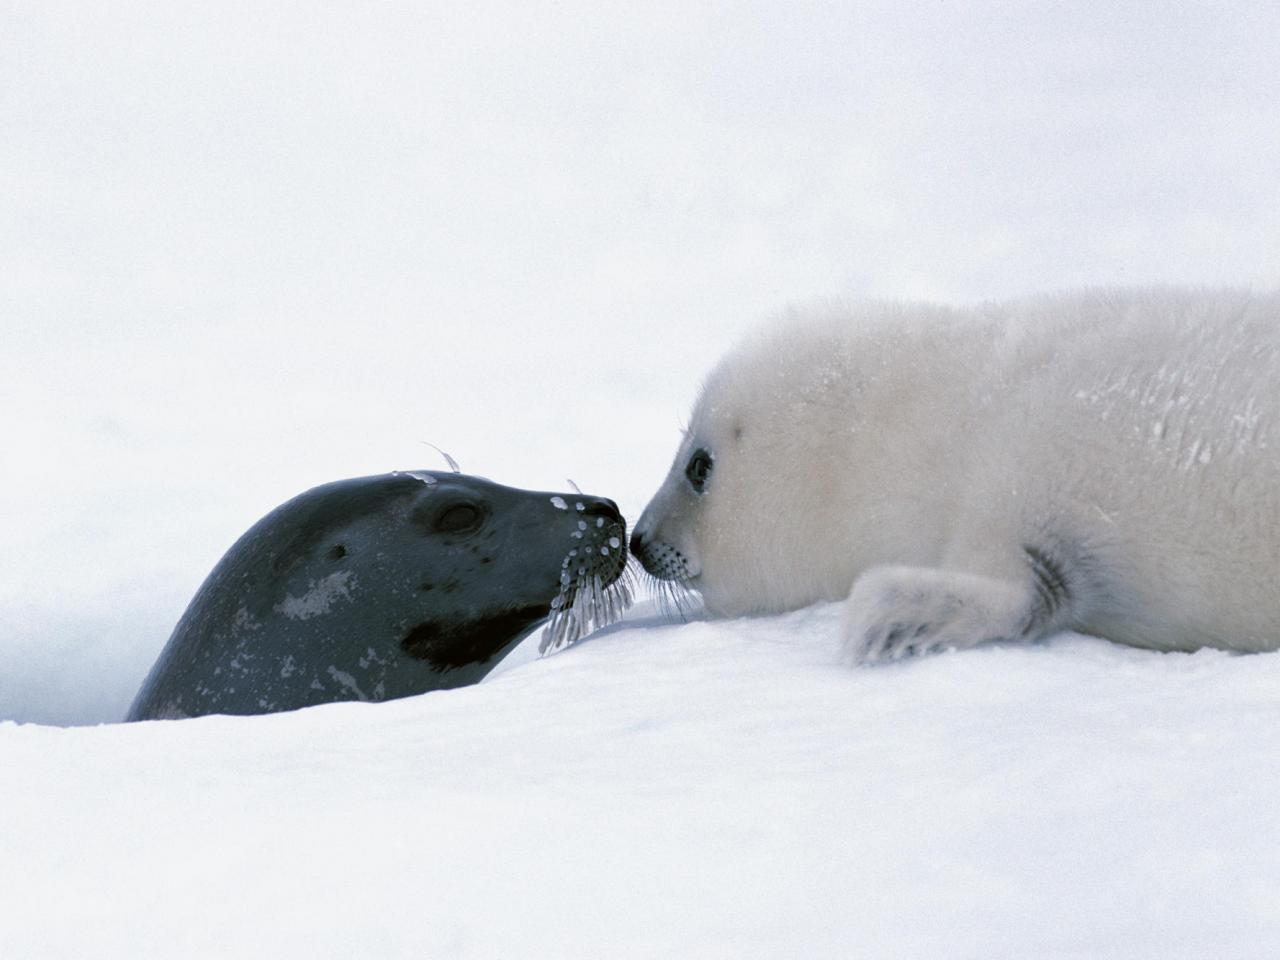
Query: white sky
246	250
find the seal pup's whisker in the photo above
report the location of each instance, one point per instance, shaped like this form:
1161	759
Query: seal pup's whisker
676	598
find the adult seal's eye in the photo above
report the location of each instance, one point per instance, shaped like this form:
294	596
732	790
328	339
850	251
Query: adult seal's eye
698	470
458	518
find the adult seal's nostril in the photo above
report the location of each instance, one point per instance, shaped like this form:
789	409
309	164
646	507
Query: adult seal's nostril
601	507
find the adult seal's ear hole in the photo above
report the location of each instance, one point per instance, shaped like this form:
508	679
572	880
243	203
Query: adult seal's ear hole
385	587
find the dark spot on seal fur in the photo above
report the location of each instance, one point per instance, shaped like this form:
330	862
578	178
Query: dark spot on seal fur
338	552
1050	583
449	645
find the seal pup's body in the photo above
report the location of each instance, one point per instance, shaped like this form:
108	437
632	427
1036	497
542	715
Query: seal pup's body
1107	462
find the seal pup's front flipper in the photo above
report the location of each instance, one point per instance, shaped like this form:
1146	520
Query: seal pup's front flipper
893	612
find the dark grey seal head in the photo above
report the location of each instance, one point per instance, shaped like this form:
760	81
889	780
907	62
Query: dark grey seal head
384	587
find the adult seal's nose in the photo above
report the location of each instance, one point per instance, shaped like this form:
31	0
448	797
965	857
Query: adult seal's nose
601	507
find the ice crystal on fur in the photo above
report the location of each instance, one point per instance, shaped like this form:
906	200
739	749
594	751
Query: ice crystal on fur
420	475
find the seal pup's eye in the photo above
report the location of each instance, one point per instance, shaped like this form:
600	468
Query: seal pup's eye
458	518
698	469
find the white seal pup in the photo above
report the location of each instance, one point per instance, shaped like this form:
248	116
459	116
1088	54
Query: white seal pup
1107	462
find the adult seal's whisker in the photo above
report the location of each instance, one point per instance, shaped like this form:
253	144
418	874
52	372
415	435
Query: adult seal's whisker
595	588
453	464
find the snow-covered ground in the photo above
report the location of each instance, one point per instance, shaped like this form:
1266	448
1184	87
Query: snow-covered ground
246	249
708	790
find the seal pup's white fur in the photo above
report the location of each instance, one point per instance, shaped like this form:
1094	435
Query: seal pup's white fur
1107	462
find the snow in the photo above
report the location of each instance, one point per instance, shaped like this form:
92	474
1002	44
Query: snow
247	249
699	790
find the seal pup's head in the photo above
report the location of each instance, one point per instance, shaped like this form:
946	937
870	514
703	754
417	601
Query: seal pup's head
744	516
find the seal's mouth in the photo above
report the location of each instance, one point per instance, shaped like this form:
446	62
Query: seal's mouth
596	583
